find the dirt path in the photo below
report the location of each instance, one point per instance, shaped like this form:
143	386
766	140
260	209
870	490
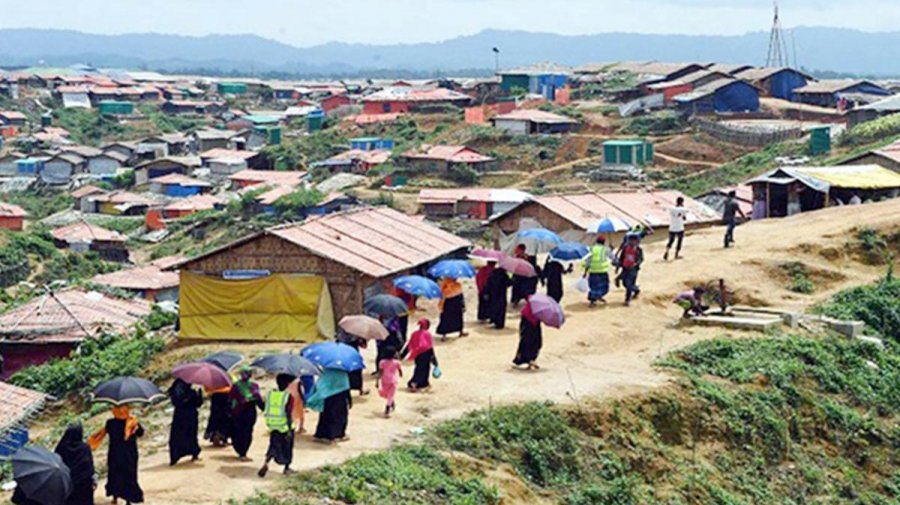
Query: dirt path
605	351
562	167
690	163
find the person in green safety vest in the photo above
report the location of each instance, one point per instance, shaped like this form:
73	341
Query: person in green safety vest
596	269
281	430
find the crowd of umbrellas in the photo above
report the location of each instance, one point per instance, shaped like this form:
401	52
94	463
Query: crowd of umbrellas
44	478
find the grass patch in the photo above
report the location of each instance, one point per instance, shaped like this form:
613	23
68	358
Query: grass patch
800	281
878	305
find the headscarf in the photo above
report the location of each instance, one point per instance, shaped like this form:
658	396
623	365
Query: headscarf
449	289
528	313
484	272
330	383
76	454
244	390
180	393
421	340
122	413
520	251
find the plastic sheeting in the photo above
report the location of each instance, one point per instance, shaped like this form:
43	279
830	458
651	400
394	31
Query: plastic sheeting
281	307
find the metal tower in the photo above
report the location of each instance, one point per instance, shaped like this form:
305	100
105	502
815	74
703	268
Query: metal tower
778	53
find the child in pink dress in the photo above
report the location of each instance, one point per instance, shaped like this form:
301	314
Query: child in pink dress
389	372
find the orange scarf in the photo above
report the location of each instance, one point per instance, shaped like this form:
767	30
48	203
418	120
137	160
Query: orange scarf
123	414
449	289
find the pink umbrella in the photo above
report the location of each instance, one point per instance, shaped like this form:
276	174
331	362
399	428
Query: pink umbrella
202	374
487	254
518	266
365	327
547	310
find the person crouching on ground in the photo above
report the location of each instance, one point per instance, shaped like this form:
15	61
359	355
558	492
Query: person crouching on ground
691	302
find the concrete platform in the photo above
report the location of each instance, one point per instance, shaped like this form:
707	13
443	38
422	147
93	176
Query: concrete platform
737	322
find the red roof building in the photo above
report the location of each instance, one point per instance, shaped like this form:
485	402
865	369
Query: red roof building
246	178
51	326
12	217
148	281
442	158
191	205
405	99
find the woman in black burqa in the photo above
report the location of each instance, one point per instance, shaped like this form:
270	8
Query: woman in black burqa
76	454
185	422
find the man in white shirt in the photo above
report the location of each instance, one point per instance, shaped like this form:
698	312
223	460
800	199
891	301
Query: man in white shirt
677	216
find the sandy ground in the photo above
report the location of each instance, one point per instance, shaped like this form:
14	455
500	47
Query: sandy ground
602	352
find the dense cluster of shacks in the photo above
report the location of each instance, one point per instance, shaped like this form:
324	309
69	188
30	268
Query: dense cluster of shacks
355	249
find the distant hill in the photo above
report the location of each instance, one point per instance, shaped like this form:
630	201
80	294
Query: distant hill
826	49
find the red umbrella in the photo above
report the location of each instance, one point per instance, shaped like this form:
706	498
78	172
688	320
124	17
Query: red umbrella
547	310
202	374
518	266
365	327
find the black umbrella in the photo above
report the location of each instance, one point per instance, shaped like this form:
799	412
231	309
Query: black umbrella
385	306
41	475
291	364
125	390
224	359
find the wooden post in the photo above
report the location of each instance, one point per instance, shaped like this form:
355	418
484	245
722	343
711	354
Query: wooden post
768	196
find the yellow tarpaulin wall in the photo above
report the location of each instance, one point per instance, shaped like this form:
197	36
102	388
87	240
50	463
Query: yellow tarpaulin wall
280	307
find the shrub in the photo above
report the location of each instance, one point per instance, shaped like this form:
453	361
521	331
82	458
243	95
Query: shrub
657	123
296	203
871	131
878	305
799	275
97	359
159	319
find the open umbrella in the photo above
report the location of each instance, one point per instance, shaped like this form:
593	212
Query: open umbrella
125	390
226	360
487	255
41	475
538	240
453	269
518	266
364	327
287	363
418	285
385	306
202	373
547	310
569	251
609	225
334	355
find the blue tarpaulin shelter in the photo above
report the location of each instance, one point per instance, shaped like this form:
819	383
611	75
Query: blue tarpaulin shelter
722	96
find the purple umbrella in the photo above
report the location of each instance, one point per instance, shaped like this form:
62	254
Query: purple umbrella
547	310
203	374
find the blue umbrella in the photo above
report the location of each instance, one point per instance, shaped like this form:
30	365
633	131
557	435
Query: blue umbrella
609	225
418	285
538	240
569	251
334	355
453	269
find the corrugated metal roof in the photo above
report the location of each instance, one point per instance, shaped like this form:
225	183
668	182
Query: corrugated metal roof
292	178
141	277
11	114
758	74
16	404
220	153
10	210
180	180
535	116
854	176
86	190
194	203
583	210
407	94
83	231
544	68
889	104
375	241
60	317
457	154
707	89
434	196
830	86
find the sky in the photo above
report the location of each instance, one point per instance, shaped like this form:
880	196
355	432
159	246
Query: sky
312	22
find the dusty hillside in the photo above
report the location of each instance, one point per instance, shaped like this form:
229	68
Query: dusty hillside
602	352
